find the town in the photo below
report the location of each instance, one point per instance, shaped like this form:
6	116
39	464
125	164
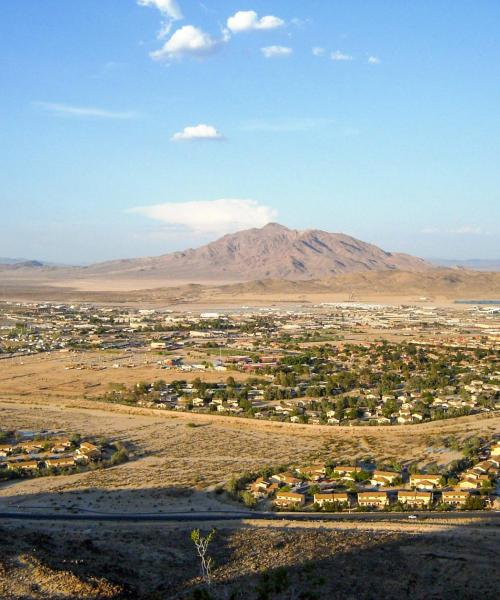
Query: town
340	364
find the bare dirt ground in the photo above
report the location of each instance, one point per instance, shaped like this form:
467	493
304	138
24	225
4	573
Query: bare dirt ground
57	374
439	286
90	561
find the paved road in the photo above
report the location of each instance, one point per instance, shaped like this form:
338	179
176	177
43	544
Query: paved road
240	515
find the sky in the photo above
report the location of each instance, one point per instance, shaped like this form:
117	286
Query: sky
139	127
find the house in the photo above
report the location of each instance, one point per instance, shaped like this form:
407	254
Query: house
262	488
383	478
313	471
373	499
289	499
415	498
60	446
285	479
455	497
60	462
424	481
25	465
495	450
88	451
32	448
345	472
488	466
330	498
5	450
469	484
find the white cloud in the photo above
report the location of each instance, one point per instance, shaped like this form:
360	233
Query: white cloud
198	132
318	51
248	20
188	41
276	51
169	9
84	111
340	56
210	216
374	60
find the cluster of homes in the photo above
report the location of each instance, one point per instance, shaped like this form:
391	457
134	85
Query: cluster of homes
312	486
270	399
29	457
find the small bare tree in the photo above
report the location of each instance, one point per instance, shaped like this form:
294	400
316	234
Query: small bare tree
201	543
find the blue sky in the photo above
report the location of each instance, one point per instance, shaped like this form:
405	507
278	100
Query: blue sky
136	127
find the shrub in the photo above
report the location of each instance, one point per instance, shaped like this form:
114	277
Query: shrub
248	500
119	456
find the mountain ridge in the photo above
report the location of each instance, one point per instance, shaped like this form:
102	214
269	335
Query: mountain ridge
272	251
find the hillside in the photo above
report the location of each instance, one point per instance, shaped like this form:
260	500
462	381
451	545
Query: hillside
273	251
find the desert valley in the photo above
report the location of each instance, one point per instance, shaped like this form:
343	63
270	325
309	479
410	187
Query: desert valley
249	300
359	408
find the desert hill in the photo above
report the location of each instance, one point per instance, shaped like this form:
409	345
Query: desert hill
273	251
436	285
25	264
272	263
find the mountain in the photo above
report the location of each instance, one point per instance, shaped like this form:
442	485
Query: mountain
11	261
273	251
20	263
475	264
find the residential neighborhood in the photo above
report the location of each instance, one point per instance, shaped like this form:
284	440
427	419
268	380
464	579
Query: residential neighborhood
32	454
330	487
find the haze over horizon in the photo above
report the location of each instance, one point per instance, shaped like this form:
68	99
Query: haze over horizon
146	126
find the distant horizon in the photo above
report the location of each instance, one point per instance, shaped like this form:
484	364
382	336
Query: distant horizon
432	259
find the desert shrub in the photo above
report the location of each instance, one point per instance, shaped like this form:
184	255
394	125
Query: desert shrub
248	500
120	455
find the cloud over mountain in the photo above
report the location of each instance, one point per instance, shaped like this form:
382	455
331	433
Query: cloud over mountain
210	216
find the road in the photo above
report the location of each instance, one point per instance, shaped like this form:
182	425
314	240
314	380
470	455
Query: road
241	515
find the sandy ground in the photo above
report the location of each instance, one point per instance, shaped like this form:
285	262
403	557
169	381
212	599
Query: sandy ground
64	287
54	375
